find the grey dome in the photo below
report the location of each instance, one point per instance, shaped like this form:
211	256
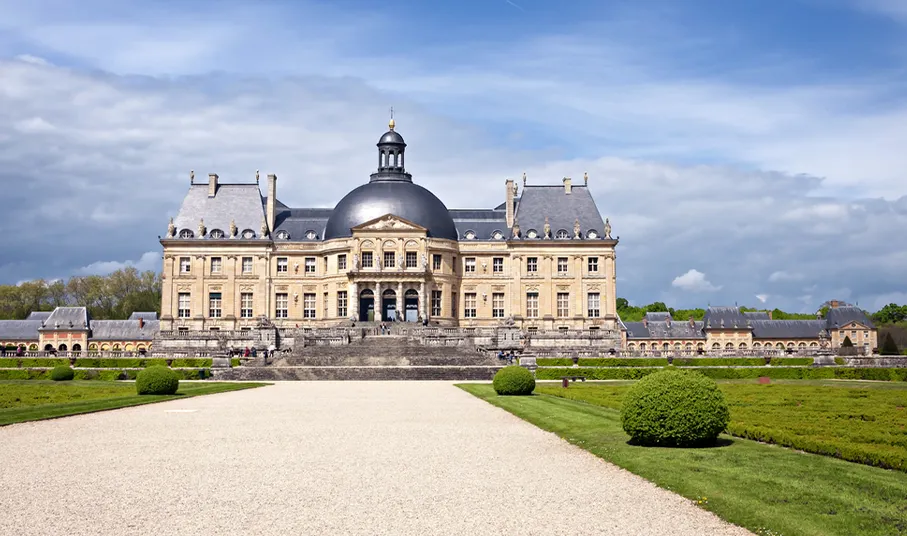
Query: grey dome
400	198
391	136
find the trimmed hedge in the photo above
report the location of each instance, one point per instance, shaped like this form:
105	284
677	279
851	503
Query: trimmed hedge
777	373
674	408
604	362
514	381
234	362
141	363
157	381
62	373
103	374
679	362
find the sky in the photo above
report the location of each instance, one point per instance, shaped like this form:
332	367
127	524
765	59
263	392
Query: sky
750	152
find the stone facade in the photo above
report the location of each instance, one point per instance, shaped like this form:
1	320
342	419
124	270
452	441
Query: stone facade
71	329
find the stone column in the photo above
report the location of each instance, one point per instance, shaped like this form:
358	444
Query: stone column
401	312
353	300
423	301
580	300
378	301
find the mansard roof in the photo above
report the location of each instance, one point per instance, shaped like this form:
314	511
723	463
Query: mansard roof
39	315
841	316
787	329
19	329
124	330
757	315
242	203
482	222
64	318
561	209
725	318
297	222
662	326
151	315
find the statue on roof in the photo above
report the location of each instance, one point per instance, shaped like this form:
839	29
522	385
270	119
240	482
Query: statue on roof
547	228
233	228
264	228
191	176
586	178
607	228
201	227
524	179
171	229
256	176
576	228
516	228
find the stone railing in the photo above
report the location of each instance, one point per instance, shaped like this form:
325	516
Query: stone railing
107	354
202	335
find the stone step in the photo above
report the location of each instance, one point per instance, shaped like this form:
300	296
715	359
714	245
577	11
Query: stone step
371	359
440	373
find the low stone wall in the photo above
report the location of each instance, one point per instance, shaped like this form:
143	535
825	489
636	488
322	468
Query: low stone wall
434	373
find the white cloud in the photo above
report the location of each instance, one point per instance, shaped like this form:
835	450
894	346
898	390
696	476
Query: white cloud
694	281
782	275
150	260
762	298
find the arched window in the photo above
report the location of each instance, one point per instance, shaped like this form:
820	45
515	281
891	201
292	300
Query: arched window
700	346
790	345
813	345
642	346
716	346
216	233
248	233
76	347
470	235
311	235
802	345
729	346
689	346
116	347
561	233
631	347
779	345
187	233
497	235
591	234
283	235
92	347
33	347
665	346
532	233
48	347
742	346
677	346
62	348
757	345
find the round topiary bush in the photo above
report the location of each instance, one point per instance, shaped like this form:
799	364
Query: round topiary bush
674	408
157	380
514	381
62	373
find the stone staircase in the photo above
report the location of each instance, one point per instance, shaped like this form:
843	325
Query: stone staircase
372	357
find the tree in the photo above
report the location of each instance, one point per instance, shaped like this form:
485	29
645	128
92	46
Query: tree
889	347
622	303
891	314
847	343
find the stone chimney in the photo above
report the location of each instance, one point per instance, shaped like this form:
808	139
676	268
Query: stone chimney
769	315
509	197
212	184
272	199
568	186
141	322
645	322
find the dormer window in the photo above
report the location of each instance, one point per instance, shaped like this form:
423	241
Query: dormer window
216	233
186	233
248	233
532	233
591	234
283	235
311	235
497	235
470	235
561	234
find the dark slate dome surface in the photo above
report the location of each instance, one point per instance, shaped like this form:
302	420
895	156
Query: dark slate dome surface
400	198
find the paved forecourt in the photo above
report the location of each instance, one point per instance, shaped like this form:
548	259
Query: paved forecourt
391	458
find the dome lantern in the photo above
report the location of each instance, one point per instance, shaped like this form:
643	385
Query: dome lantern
391	150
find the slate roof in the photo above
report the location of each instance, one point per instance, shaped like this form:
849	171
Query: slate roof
658	317
19	329
240	202
724	317
757	315
38	315
297	222
787	329
123	330
561	208
482	222
663	329
841	316
146	315
66	318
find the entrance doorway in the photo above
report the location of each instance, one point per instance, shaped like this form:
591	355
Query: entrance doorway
389	305
411	305
366	306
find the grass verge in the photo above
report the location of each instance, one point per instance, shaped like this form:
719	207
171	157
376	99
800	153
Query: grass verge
764	488
32	400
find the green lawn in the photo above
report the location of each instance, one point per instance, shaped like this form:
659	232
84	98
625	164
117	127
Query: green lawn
862	422
761	487
32	400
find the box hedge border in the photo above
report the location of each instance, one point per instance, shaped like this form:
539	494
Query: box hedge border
778	373
97	374
678	362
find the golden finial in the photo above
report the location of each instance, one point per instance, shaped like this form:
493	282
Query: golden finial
391	124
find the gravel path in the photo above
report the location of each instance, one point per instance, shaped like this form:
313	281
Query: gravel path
330	458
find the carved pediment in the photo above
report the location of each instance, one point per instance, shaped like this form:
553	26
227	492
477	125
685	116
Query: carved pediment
389	222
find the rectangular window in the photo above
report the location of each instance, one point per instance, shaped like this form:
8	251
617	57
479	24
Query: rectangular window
436	302
245	305
214	305
341	262
367	259
594	305
390	259
453	265
217	265
185	265
247	265
469	305
283	264
324	306
563	304
281	306
470	264
341	304
310	265
436	262
497	265
183	305
593	264
453	305
411	259
532	304
325	265
562	265
497	305
308	305
532	264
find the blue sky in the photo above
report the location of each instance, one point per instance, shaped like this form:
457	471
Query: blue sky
745	151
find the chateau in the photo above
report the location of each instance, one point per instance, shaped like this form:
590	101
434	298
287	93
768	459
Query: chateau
389	250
